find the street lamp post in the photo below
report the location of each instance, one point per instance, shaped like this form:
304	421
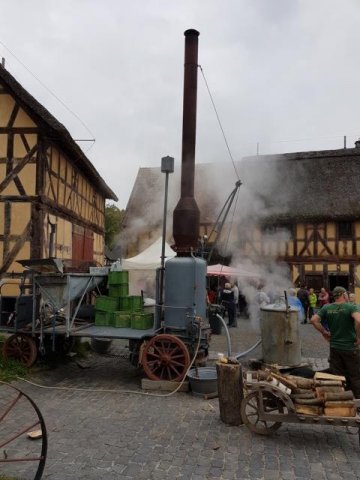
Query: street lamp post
167	166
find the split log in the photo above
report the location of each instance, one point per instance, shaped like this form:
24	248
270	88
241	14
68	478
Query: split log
308	410
284	380
328	376
309	401
345	403
328	383
340	411
308	394
230	390
320	391
299	391
301	382
257	376
338	396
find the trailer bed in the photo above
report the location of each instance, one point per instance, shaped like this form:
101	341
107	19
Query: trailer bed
112	332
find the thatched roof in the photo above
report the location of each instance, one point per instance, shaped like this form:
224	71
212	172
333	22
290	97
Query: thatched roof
308	186
295	187
55	131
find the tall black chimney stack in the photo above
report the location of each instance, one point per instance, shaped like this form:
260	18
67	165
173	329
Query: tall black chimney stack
186	218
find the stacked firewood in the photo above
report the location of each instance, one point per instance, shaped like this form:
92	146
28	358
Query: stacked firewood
323	395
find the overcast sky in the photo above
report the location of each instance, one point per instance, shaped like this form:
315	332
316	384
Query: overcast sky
284	73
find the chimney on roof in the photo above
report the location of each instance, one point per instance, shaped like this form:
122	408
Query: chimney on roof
3	62
357	143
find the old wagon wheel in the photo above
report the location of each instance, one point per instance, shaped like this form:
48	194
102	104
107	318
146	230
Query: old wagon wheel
20	347
250	411
165	357
19	415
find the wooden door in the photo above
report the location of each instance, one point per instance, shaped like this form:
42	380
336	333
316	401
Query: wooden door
82	244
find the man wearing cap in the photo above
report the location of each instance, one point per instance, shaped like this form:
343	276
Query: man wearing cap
343	320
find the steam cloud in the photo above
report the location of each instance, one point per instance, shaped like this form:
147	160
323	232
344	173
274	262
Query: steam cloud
260	197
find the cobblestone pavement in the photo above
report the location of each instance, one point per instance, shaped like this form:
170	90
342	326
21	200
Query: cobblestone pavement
100	434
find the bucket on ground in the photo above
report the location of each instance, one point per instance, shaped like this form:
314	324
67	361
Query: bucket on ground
203	381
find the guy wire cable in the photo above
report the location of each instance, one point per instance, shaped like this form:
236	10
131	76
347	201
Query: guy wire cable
218	119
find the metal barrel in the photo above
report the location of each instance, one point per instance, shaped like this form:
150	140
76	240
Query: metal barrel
280	335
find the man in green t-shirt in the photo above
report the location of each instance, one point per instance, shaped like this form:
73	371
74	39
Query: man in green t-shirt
339	323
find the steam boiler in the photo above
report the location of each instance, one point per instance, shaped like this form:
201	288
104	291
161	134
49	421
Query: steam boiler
183	315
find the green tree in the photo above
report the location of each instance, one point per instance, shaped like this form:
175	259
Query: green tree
113	220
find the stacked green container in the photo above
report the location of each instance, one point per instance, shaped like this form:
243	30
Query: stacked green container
119	290
104	307
121	319
119	286
130	309
124	304
142	321
136	303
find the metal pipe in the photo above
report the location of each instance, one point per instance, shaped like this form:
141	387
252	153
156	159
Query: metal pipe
164	221
189	113
226	333
228	340
158	307
167	166
242	354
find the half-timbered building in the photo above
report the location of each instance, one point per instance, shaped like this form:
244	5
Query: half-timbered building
47	184
300	208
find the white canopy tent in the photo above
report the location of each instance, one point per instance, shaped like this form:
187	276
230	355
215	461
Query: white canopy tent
149	259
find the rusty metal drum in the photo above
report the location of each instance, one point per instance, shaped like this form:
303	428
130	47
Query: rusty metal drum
280	335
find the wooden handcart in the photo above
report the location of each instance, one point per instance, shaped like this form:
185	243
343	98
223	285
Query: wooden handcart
265	407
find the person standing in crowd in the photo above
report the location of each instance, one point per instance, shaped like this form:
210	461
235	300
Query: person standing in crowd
211	295
324	297
293	301
227	300
261	298
219	291
235	289
343	321
243	306
312	302
303	296
352	298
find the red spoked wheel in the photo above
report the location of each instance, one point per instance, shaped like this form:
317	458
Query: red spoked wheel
165	357
22	348
20	417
